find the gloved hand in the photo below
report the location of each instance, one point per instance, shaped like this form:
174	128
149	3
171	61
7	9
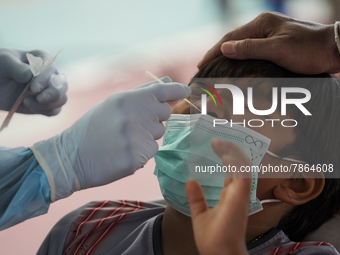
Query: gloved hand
112	140
48	88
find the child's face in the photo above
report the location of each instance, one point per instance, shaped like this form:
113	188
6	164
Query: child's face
262	100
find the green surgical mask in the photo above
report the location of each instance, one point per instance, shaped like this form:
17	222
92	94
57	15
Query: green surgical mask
186	145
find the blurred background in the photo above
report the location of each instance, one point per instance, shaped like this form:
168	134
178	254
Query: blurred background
107	47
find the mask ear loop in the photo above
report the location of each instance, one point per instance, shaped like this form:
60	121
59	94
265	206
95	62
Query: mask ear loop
274	200
265	201
289	159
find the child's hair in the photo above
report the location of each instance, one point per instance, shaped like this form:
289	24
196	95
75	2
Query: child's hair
317	139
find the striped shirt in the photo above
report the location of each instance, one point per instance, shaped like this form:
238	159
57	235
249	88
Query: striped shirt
134	227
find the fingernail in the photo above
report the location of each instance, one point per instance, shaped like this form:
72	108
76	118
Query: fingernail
228	48
58	80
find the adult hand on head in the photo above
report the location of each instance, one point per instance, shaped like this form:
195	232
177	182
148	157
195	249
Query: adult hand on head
48	89
300	46
222	229
112	140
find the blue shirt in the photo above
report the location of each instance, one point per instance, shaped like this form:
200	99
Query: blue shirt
24	189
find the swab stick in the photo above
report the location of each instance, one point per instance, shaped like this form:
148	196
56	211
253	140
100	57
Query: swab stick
160	81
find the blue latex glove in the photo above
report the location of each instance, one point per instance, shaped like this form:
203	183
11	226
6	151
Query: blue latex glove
111	141
48	89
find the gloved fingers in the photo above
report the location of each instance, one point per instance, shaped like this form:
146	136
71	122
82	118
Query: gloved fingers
153	149
144	149
23	109
36	107
42	54
169	92
58	80
52	93
162	110
52	112
13	67
157	130
49	99
42	80
150	151
165	79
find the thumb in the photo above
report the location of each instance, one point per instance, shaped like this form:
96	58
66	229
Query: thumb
196	199
250	49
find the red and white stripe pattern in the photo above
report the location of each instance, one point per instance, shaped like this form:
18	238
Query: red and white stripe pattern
89	216
107	219
96	223
294	248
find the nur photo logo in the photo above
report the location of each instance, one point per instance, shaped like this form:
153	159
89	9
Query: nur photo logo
279	98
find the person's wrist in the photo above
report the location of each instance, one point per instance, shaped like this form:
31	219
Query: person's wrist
55	162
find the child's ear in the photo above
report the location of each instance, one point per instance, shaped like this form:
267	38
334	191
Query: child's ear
299	190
